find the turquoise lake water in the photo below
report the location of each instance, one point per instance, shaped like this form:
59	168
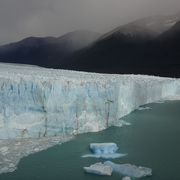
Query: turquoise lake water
152	141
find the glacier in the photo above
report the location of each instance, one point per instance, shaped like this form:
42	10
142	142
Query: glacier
37	102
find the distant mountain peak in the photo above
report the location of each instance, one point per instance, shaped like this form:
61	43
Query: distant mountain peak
177	26
158	23
79	38
46	51
133	29
172	33
72	41
145	28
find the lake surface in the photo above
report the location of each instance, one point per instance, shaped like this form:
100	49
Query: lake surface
152	141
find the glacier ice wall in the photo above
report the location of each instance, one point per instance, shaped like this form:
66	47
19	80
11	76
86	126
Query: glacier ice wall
38	102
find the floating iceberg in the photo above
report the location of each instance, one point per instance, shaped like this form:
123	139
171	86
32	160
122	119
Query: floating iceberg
130	170
103	148
104	156
99	169
104	151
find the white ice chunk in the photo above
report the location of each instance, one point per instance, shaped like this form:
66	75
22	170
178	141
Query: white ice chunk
130	170
99	169
103	148
144	108
104	156
126	178
160	102
121	123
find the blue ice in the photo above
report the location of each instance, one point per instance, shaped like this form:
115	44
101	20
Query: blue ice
103	148
130	170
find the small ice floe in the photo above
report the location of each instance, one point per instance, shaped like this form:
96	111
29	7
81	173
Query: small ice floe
122	123
144	108
36	149
160	102
99	169
103	148
130	170
126	178
104	156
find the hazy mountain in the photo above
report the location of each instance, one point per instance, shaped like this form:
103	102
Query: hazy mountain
146	27
124	53
172	33
157	24
47	51
146	46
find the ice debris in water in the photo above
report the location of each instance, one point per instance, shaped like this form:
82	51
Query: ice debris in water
103	148
104	156
126	178
144	108
122	123
160	102
12	150
130	170
99	169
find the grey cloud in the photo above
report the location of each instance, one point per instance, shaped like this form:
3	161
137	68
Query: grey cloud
22	18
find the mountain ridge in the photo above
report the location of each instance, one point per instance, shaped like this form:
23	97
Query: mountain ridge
124	54
46	51
128	49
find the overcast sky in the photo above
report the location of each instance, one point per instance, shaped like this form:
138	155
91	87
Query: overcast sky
23	18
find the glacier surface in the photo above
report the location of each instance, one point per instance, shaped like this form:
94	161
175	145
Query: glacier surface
38	102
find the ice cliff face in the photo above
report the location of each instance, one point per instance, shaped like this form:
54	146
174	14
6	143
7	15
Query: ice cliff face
37	102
